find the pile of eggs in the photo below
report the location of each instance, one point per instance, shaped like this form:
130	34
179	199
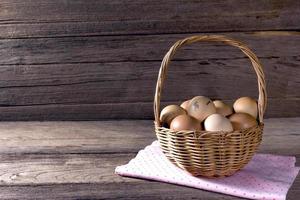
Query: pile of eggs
201	113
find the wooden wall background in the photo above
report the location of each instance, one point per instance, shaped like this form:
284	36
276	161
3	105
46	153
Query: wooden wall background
89	60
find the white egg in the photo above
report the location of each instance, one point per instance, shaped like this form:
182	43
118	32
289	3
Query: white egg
217	122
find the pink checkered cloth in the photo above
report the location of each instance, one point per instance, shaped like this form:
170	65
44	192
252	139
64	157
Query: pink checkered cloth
265	177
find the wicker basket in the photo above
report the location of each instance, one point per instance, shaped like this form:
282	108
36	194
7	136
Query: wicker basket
210	154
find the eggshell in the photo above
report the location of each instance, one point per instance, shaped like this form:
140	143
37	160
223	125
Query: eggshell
185	122
170	112
217	122
242	120
185	104
223	108
201	107
246	105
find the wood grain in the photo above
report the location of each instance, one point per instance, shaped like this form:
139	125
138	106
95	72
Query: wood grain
61	168
138	110
55	18
136	190
124	136
117	82
127	190
35	163
135	48
53	79
75	137
90	60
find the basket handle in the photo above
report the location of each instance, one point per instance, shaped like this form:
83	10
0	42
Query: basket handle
262	97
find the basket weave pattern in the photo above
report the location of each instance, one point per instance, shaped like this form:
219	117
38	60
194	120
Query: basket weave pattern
210	154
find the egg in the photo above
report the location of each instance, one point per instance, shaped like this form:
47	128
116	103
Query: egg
201	107
185	104
246	105
170	112
185	122
222	108
217	122
242	120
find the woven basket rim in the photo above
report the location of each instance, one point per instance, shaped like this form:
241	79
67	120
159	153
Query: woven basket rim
203	133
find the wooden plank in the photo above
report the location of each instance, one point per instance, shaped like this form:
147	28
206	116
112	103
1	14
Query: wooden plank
84	175
118	137
135	82
61	168
75	137
52	18
139	110
127	190
140	48
116	87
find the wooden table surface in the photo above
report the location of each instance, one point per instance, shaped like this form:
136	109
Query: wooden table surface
76	160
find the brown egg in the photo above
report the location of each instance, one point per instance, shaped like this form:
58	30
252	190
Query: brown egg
217	122
185	104
242	120
185	122
170	112
201	107
246	105
223	108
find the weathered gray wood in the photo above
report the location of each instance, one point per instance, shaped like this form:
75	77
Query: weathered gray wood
117	86
150	190
77	60
141	48
113	191
75	137
50	18
119	137
100	83
129	83
126	190
61	168
138	110
85	170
